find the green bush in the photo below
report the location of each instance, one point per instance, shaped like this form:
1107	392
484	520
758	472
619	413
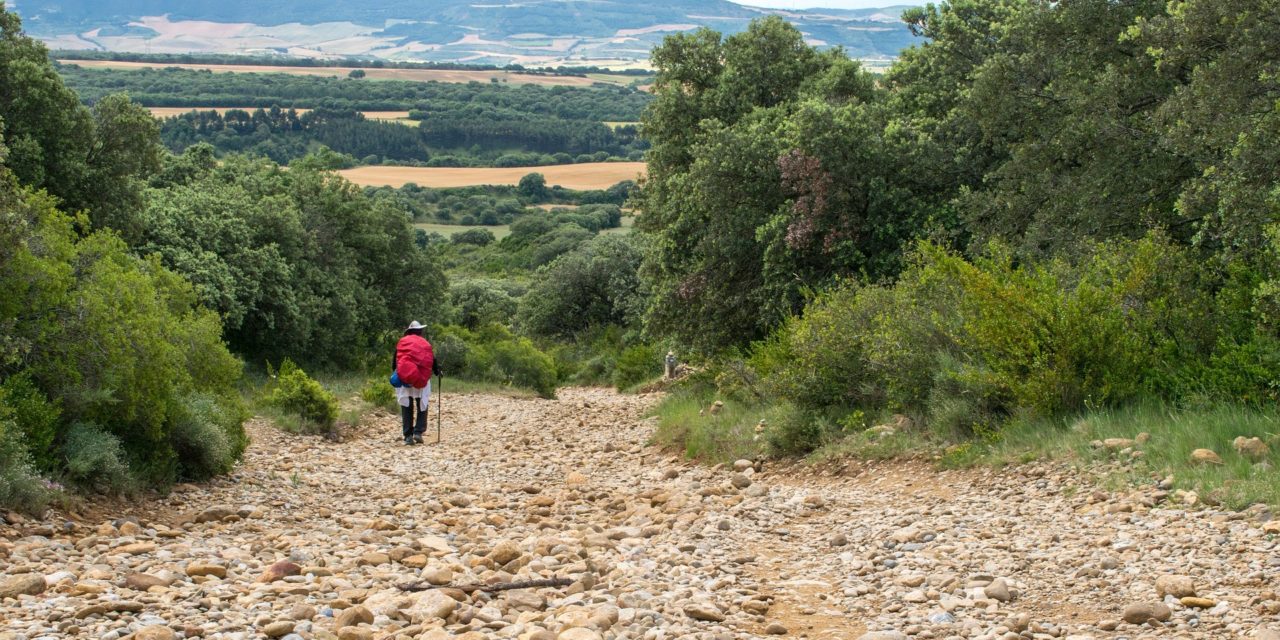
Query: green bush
21	489
35	419
971	344
452	351
378	392
208	436
636	364
493	354
795	432
299	394
120	342
477	237
518	362
95	460
478	302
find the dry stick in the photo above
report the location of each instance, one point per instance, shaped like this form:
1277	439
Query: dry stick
490	588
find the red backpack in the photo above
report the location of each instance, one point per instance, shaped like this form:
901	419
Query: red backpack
413	361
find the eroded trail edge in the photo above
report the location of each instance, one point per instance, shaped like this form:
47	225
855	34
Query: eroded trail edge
312	539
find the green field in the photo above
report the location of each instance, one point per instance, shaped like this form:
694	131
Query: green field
502	231
447	230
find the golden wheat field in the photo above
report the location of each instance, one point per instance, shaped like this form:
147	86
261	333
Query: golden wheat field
590	175
385	116
416	75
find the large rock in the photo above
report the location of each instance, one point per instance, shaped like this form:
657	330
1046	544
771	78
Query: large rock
998	590
29	584
155	632
1178	586
420	607
504	552
705	611
278	629
215	514
1252	448
353	616
280	571
144	581
1141	613
1205	456
578	633
136	549
197	569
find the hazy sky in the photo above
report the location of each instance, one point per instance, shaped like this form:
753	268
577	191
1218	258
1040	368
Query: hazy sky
826	4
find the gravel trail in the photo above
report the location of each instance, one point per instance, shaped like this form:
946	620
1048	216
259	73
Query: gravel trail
312	539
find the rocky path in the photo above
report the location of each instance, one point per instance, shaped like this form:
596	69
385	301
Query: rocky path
311	539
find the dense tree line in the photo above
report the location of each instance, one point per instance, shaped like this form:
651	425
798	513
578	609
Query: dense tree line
129	277
174	87
1045	207
469	137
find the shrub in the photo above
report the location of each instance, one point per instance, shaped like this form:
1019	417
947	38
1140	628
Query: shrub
795	432
208	436
595	285
477	237
299	394
34	417
479	302
451	351
378	392
20	488
95	460
120	342
636	364
518	362
492	354
970	344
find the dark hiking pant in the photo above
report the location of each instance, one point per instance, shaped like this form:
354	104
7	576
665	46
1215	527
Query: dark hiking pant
409	425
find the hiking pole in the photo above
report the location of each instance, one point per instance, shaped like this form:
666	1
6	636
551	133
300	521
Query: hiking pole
439	404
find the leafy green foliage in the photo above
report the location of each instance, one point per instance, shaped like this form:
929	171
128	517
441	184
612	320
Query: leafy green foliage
119	341
440	139
754	192
95	459
493	354
299	394
970	344
34	419
299	263
21	489
480	302
636	364
92	160
592	286
378	392
208	436
477	237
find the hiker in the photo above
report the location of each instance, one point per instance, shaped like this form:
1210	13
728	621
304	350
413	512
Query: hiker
413	364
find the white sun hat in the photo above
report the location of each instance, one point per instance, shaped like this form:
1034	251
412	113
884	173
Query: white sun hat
416	325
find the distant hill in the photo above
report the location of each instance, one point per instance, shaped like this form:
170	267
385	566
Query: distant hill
536	32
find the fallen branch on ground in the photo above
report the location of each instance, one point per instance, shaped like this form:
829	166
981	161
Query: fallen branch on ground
490	588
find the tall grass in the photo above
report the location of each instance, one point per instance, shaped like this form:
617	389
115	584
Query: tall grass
724	437
1237	483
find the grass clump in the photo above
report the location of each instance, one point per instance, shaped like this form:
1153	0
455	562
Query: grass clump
1174	433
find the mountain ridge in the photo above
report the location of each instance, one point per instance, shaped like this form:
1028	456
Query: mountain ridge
525	32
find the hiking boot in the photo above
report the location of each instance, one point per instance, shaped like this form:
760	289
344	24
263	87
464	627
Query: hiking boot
417	439
408	442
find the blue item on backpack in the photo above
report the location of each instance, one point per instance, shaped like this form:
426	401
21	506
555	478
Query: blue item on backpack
395	380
